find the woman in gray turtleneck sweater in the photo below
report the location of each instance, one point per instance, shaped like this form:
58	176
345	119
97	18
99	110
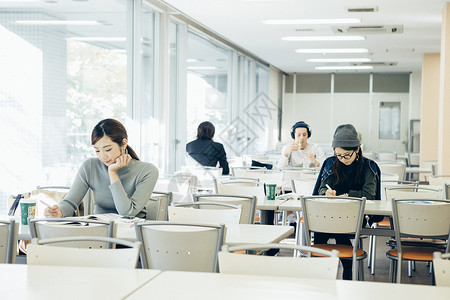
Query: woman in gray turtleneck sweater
121	183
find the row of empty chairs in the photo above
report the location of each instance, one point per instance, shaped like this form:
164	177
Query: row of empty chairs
312	213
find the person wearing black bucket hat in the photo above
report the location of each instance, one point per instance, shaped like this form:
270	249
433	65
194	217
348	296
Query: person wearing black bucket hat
347	173
301	153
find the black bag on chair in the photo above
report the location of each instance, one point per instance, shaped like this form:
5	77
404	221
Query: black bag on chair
258	164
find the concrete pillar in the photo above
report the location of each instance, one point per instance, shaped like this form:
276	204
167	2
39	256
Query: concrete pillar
444	99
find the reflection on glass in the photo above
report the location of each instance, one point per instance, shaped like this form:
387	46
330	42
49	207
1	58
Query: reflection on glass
54	87
207	85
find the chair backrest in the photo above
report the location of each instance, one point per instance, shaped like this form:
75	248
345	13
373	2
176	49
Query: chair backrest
240	181
267	176
8	240
40	253
240	171
181	185
306	267
205	212
421	217
171	246
157	205
441	267
241	188
333	214
395	183
247	203
205	175
411	192
303	186
387	156
49	228
393	168
439	179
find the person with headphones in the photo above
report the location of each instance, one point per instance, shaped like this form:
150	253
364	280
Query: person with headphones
301	153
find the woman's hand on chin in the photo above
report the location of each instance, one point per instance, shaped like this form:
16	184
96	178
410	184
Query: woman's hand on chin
122	161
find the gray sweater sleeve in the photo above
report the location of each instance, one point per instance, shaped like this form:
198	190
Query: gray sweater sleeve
145	183
77	191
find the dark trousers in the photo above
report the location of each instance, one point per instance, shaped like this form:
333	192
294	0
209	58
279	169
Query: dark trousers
267	217
341	239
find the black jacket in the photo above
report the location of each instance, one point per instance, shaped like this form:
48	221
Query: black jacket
207	153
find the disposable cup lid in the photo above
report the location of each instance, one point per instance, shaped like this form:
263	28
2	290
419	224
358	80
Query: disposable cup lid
28	201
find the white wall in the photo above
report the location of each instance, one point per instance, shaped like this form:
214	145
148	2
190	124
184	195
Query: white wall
325	111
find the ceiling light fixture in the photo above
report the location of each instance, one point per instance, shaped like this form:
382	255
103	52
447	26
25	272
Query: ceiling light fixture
202	68
323	38
97	39
311	21
338	50
337	60
344	68
57	22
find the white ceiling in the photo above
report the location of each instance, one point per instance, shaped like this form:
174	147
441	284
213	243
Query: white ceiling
240	21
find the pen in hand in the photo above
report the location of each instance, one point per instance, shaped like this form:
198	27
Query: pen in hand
328	187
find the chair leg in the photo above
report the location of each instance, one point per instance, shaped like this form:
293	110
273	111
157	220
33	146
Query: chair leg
413	265
374	255
360	270
409	268
431	267
399	270
369	255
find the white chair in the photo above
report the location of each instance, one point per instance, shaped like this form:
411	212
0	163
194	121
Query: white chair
8	240
413	192
417	218
369	155
181	185
386	222
393	168
170	246
441	267
306	267
247	203
339	215
387	156
40	253
267	176
49	228
240	171
303	186
205	176
157	206
441	180
205	212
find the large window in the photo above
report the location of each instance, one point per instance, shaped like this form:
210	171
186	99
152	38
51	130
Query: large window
57	80
207	85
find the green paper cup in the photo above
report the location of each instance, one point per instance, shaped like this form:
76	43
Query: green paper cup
270	191
27	209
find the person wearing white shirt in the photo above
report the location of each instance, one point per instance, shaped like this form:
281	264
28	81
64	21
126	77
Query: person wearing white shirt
301	153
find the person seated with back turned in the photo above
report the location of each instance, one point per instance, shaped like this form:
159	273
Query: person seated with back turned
348	174
205	151
301	153
121	183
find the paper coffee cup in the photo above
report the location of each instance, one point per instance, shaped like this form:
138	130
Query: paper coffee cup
27	209
270	191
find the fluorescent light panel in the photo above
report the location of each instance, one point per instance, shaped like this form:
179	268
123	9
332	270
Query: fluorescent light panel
338	50
98	39
344	68
323	38
337	60
202	68
311	21
57	22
